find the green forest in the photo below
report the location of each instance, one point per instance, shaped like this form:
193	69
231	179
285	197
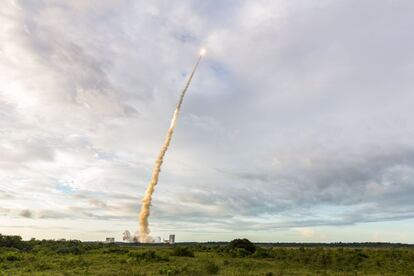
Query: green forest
238	257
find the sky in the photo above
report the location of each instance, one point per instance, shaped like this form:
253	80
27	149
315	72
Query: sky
298	125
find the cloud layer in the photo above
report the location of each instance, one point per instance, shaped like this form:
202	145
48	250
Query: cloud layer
299	116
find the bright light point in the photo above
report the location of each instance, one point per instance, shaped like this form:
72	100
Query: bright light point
202	51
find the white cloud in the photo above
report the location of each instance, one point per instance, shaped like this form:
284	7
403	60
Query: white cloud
299	115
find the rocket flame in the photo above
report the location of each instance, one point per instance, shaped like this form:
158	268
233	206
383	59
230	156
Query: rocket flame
202	51
144	230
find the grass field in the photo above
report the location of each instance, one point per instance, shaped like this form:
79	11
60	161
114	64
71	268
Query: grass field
77	258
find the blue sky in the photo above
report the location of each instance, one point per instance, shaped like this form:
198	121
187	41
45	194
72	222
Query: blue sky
297	127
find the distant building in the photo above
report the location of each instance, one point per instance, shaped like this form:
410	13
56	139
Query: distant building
110	240
171	239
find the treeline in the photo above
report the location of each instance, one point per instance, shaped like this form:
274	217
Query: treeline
13	242
339	245
312	244
17	242
345	258
52	246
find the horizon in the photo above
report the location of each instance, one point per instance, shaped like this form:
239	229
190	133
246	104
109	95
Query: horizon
165	241
297	126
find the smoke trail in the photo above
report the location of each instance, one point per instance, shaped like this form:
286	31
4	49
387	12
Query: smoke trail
146	201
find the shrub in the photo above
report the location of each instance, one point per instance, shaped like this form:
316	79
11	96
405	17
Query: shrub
182	252
12	257
8	250
211	268
262	253
14	242
169	270
357	258
117	250
239	252
71	249
146	256
242	244
41	265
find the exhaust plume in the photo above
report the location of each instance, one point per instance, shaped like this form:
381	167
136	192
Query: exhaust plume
144	230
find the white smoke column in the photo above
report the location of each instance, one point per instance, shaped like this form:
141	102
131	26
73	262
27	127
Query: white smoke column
144	230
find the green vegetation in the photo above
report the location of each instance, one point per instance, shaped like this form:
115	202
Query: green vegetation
241	248
239	257
182	251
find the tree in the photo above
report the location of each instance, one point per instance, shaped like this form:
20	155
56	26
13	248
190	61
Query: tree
242	244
